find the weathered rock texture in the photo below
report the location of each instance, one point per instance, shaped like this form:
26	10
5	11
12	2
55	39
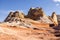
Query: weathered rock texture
9	32
58	17
35	13
14	16
38	14
33	26
54	17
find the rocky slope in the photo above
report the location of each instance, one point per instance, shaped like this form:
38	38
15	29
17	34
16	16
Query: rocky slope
33	26
15	32
58	17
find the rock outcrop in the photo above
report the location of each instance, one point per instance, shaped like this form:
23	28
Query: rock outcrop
35	13
14	16
38	14
9	17
54	17
58	17
36	25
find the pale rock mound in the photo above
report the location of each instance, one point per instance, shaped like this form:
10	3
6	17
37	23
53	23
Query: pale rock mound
54	17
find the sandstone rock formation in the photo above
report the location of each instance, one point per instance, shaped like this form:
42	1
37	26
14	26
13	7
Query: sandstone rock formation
38	14
9	17
14	15
9	32
54	17
35	13
51	25
58	17
33	26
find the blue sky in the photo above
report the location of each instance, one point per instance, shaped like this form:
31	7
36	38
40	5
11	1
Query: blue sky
48	6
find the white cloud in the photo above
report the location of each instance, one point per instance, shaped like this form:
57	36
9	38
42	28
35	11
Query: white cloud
56	0
57	4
